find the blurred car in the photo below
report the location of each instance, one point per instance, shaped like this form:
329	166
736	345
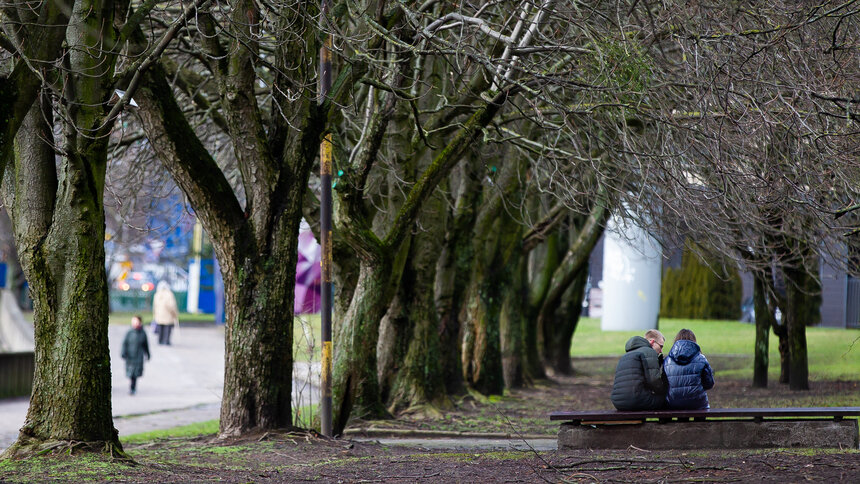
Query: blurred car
135	281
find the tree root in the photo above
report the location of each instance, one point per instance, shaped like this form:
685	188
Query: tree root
29	446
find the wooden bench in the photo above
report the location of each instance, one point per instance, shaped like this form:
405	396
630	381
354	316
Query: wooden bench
723	428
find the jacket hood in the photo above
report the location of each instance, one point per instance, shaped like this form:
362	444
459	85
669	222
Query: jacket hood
683	351
636	342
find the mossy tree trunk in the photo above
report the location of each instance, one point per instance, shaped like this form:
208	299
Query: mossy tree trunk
58	214
511	317
546	258
418	380
255	244
571	274
452	267
414	364
781	331
481	352
558	337
495	268
355	389
258	268
58	220
435	152
763	323
797	306
395	328
393	341
355	385
544	245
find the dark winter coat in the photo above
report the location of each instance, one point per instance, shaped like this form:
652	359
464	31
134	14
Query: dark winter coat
689	376
638	378
134	348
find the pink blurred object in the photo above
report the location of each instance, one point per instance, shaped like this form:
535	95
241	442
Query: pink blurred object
308	275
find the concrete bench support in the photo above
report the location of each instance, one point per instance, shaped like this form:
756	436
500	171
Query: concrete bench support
712	434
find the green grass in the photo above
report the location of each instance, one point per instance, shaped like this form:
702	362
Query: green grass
209	427
834	354
83	467
303	416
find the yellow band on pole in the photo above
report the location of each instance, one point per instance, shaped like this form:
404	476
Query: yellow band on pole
325	155
326	261
326	368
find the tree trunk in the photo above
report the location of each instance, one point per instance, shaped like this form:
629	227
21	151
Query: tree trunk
394	329
781	331
513	288
512	324
257	261
763	323
762	330
60	226
546	258
560	337
355	385
481	353
258	339
355	389
419	377
59	230
796	307
496	238
568	281
451	269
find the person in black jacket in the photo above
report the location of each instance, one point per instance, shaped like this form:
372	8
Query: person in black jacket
689	374
639	383
134	348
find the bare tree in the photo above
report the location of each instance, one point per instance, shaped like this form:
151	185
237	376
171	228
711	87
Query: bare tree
762	143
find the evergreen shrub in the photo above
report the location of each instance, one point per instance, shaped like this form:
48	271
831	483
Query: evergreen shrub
695	291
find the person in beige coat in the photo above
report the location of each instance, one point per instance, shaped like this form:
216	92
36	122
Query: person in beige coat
164	312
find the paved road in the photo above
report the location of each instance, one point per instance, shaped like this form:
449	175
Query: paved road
539	445
181	384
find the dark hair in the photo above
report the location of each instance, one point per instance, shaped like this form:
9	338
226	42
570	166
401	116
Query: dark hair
139	318
685	334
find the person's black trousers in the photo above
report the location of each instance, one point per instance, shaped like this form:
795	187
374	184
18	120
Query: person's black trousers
164	331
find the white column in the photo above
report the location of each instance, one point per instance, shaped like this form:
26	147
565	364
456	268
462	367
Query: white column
632	271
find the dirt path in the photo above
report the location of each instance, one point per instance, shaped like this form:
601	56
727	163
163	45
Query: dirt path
383	457
276	458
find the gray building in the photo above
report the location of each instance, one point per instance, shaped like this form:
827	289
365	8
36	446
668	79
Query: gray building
840	297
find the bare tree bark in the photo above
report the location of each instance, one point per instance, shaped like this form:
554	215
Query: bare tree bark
763	323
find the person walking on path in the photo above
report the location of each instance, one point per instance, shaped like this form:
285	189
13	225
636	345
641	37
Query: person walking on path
164	312
134	347
639	381
689	373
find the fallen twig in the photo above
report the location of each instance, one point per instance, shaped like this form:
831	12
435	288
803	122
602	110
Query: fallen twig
387	478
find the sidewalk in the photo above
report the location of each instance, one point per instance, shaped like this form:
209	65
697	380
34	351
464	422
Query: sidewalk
181	384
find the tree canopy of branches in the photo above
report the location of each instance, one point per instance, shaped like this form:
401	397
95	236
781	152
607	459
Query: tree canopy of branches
479	150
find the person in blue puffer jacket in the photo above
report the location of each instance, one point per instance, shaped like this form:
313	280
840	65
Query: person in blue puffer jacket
689	374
